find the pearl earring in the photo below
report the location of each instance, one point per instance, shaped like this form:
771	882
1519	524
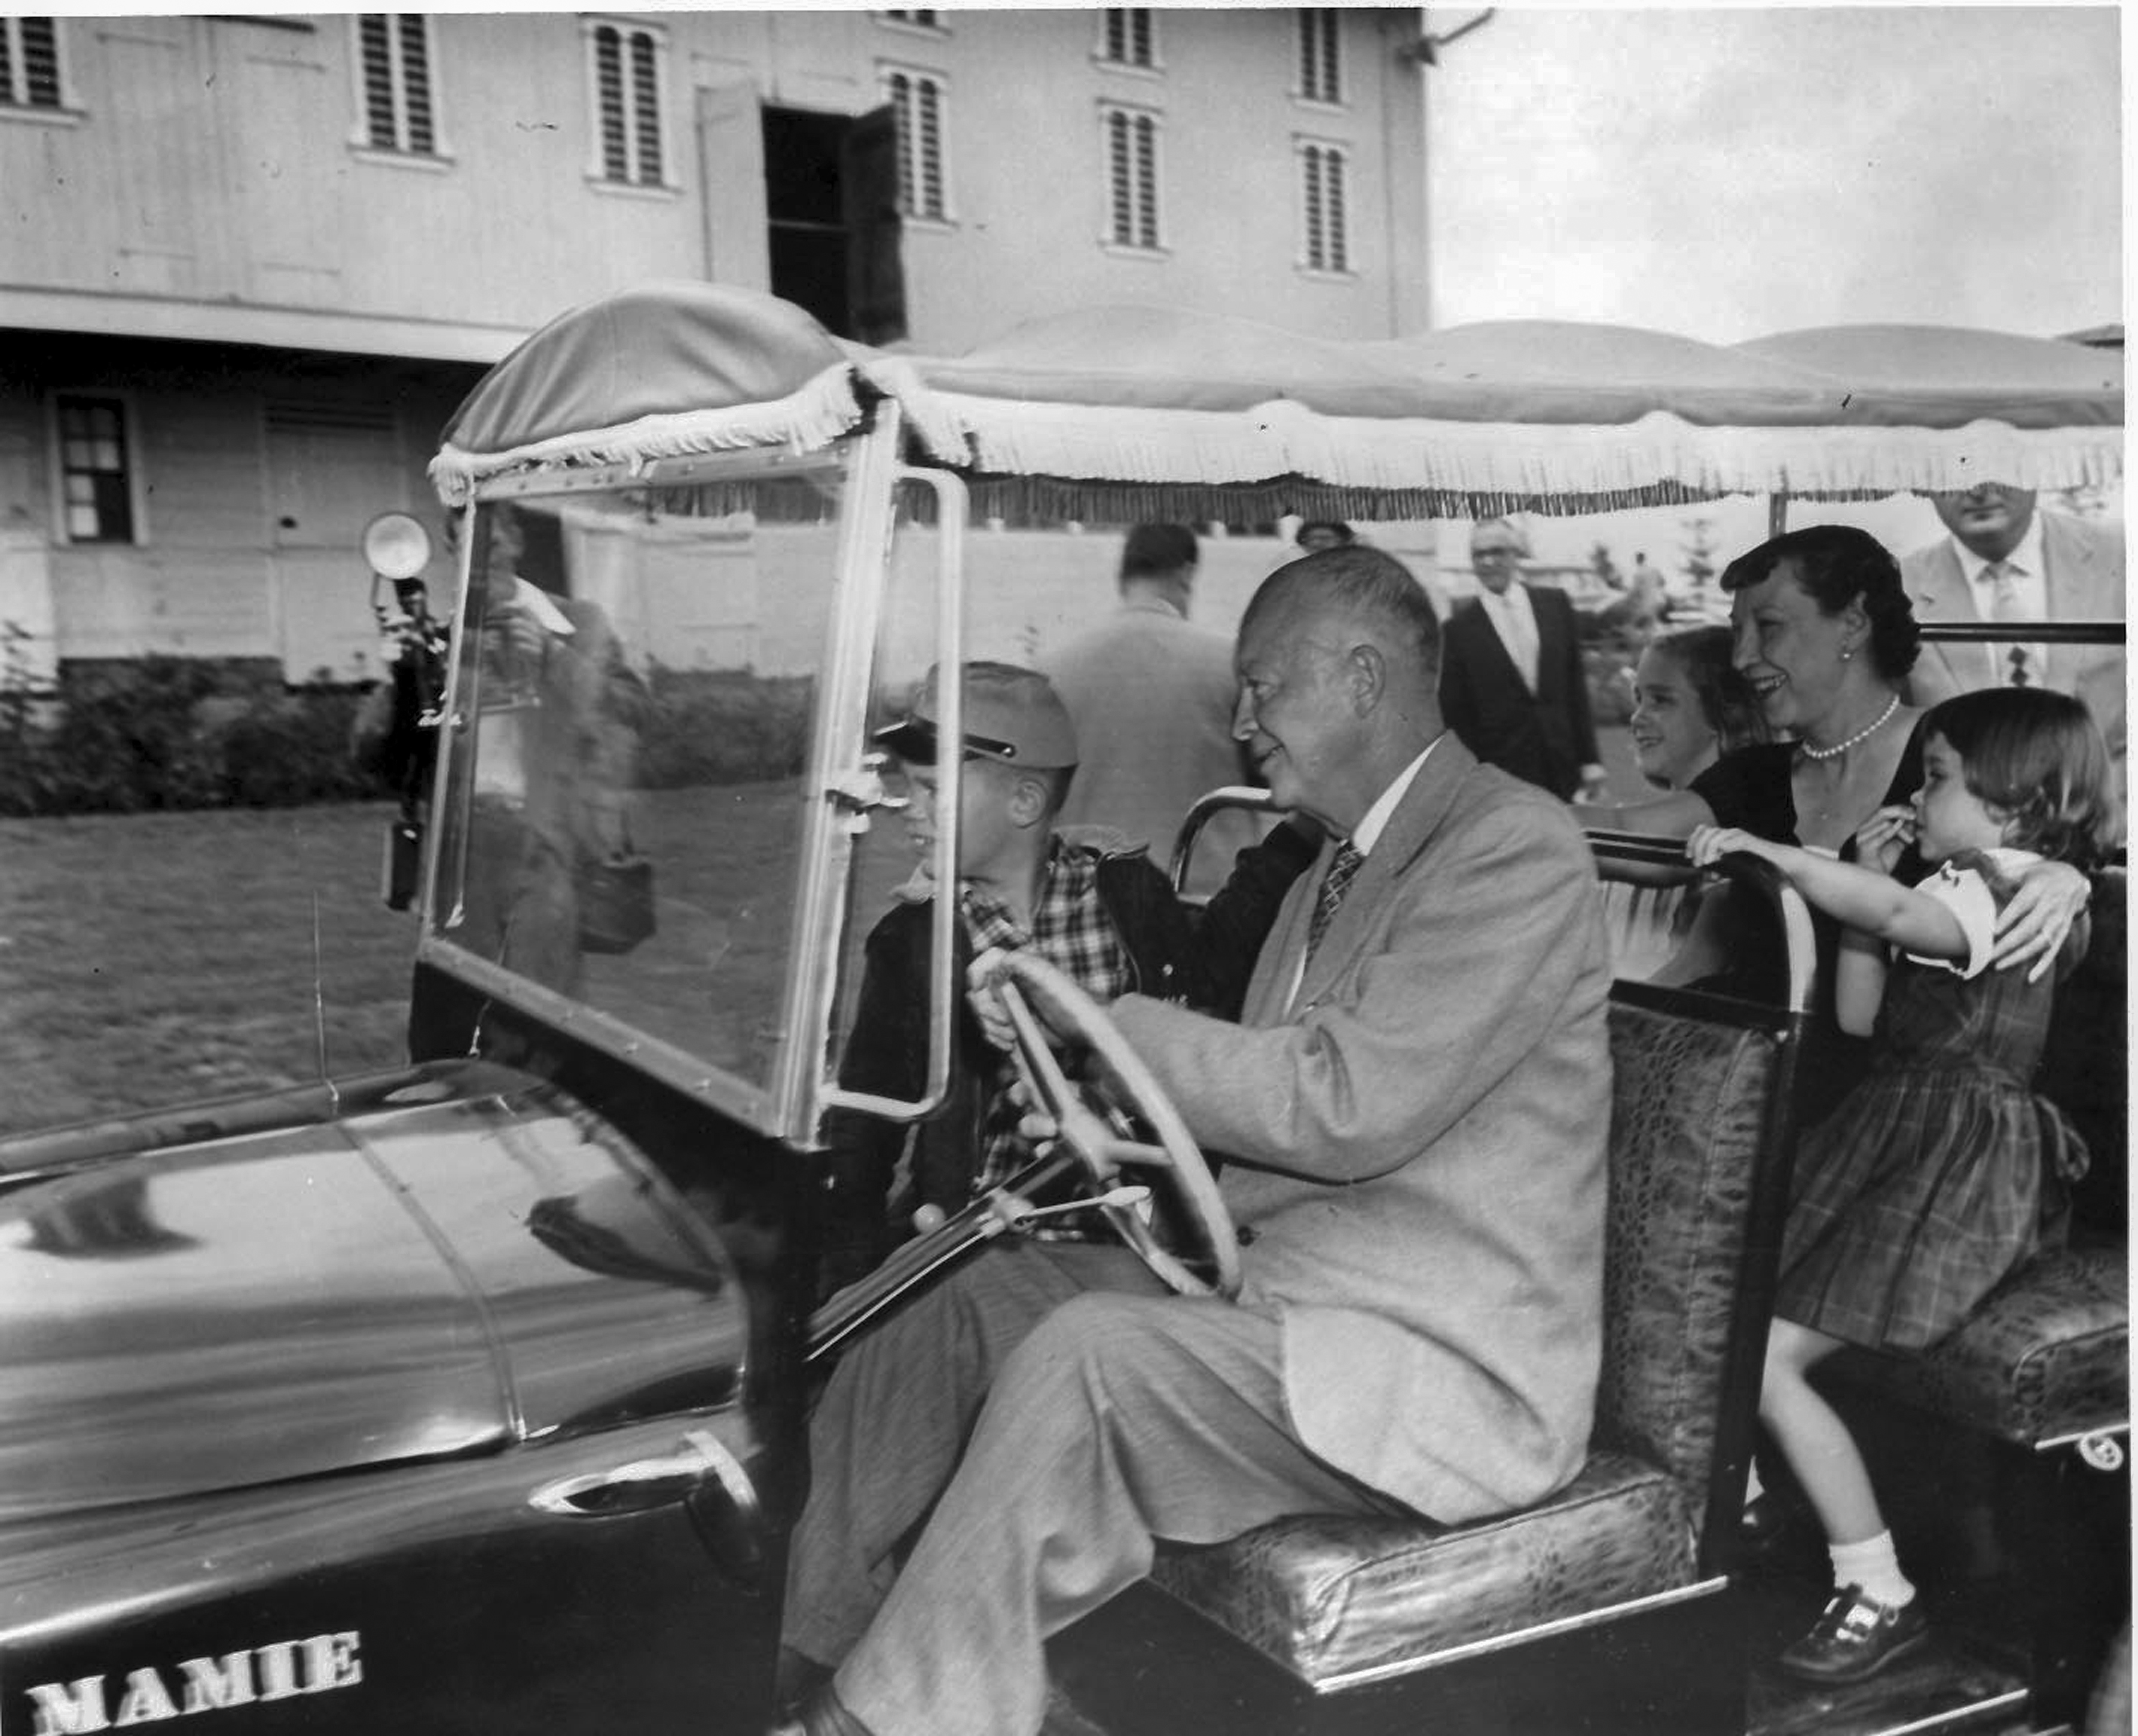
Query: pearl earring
1846	655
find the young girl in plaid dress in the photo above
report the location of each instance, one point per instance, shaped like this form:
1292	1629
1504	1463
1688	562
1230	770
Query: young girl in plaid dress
1937	1176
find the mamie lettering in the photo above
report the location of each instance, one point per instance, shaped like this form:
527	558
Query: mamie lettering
276	1672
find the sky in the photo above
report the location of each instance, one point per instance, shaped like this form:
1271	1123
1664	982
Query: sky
1725	172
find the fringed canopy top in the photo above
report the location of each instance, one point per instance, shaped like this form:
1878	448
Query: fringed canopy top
1942	376
652	372
1122	412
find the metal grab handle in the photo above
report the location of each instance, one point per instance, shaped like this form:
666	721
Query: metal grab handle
647	1484
1245	797
861	792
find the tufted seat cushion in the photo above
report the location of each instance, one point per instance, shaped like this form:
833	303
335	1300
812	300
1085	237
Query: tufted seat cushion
2047	1355
1331	1598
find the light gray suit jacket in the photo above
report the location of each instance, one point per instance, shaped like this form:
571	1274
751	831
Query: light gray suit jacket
1151	695
1419	1145
2083	569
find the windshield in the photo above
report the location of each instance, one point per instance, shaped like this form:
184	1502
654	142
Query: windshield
626	808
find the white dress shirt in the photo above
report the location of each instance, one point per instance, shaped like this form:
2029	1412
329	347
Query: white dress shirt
1515	620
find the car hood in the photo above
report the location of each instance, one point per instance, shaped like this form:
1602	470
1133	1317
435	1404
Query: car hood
438	1262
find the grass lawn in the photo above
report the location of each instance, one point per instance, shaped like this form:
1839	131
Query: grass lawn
149	959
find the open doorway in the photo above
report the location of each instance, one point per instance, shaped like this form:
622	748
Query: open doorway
831	201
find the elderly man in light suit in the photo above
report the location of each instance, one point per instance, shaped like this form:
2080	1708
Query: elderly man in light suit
1415	1105
2004	559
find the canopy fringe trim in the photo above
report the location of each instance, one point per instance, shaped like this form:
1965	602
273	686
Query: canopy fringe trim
812	416
1659	456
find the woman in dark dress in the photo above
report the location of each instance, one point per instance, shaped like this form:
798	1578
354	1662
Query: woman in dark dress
1826	636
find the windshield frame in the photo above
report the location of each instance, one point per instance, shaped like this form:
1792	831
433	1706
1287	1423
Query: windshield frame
783	1105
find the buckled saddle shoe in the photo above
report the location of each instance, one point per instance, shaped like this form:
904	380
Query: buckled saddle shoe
1855	1637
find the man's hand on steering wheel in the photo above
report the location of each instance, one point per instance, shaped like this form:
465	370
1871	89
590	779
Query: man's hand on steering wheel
982	977
1090	1115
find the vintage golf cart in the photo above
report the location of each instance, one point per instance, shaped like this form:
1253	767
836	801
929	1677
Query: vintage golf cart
470	1396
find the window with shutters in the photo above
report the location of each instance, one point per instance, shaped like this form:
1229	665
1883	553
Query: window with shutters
1325	239
398	91
627	67
32	77
1320	64
94	469
1131	163
1128	36
918	105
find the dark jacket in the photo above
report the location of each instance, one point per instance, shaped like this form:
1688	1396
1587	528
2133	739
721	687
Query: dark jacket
1543	738
1200	958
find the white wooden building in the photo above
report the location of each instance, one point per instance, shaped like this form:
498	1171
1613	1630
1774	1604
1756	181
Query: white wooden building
250	263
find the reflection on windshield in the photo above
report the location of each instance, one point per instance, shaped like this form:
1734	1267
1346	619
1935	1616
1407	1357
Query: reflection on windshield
561	712
639	693
99	1218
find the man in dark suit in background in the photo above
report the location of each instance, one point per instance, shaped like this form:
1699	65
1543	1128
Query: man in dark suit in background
1512	683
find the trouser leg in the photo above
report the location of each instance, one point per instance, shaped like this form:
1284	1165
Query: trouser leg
889	1429
1119	1419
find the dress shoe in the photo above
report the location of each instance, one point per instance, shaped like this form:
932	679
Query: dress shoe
1855	1637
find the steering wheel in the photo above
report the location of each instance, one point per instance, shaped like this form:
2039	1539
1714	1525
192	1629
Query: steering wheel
1093	1128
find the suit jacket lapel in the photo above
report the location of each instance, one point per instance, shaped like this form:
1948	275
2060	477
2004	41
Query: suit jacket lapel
1551	649
1944	596
1269	989
2067	561
1417	817
2068	590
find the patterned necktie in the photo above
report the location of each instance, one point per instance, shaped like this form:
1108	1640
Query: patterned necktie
2004	605
1342	866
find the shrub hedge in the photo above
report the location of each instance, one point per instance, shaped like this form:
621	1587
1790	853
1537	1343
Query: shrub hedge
724	726
155	732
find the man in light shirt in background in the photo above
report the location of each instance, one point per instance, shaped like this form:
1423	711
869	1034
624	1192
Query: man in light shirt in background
1152	697
2004	561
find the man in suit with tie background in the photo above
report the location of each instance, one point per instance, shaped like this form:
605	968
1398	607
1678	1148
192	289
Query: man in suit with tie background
1511	681
2005	561
1414	1103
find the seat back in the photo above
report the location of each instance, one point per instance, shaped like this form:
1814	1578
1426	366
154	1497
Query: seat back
1644	924
1702	1141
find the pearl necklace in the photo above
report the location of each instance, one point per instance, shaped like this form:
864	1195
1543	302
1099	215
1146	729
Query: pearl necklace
1865	734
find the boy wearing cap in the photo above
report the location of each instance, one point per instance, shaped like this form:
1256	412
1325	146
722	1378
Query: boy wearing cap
1082	898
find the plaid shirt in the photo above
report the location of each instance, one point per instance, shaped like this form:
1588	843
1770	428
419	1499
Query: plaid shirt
1071	931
